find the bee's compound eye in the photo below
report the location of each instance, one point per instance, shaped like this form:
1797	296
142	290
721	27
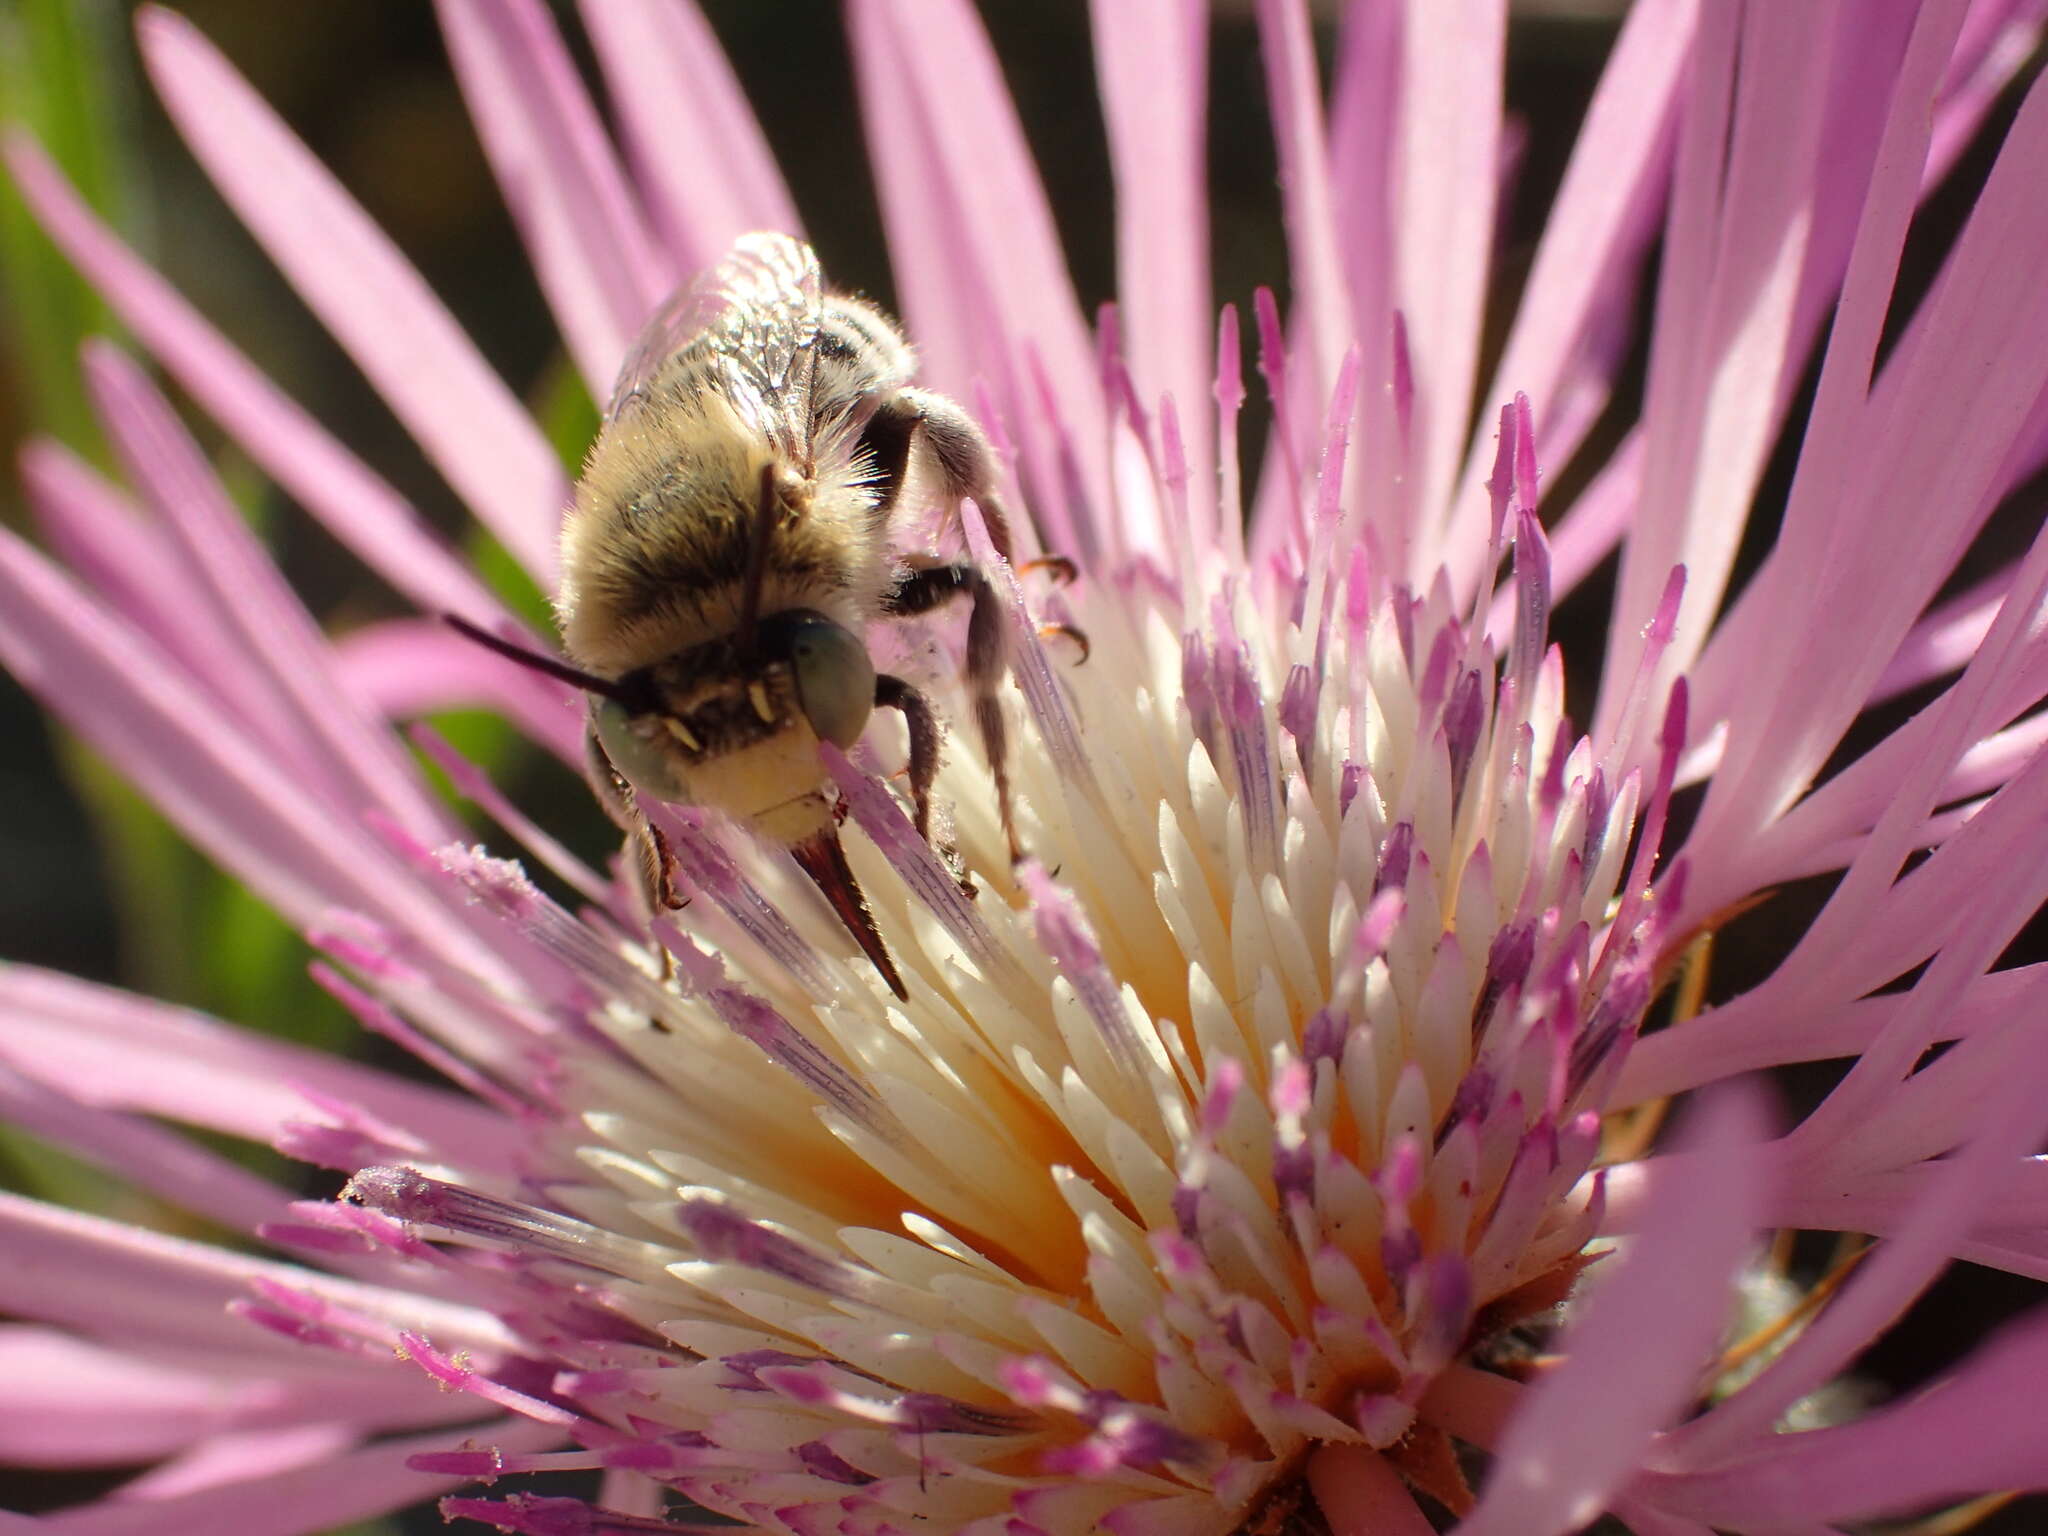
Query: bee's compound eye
835	679
648	764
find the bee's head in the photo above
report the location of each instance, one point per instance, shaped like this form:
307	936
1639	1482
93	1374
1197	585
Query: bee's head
695	726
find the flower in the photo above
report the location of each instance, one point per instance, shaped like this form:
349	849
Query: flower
1225	1150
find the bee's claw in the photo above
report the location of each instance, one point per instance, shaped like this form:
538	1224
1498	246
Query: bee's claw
1059	567
1068	632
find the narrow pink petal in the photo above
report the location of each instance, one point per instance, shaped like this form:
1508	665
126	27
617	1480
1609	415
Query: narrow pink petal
287	444
1734	256
1944	640
1446	182
1956	903
212	781
407	668
1911	470
237	1456
310	718
123	1285
1634	1354
977	257
2005	895
1324	324
1869	50
1749	1033
1151	65
114	1050
1856	911
357	1486
697	152
141	1154
1974	760
368	295
2011	1123
136	568
1997	42
475	786
1593	243
1883	1201
65	1401
1594	524
1978	1428
597	263
1365	109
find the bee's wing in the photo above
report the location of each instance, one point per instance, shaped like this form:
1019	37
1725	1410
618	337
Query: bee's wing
747	328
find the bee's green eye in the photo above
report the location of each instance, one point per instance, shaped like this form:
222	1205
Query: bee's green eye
835	679
648	764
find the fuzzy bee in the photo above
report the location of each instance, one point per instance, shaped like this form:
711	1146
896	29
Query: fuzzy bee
729	543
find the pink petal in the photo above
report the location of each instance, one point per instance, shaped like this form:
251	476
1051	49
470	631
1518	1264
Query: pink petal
1364	125
1634	1354
1749	1033
67	1402
273	646
356	1486
216	785
1151	61
225	1459
407	668
1997	41
1976	1429
1883	1201
141	1154
368	295
977	257
1912	468
1875	925
1835	819
1324	323
1944	640
698	156
1734	254
597	263
294	450
139	571
2010	1125
129	1286
1445	183
114	1050
1592	247
1868	51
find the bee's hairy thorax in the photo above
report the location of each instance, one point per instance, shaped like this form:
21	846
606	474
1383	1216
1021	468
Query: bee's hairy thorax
658	544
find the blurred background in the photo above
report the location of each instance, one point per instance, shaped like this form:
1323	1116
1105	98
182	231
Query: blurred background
92	880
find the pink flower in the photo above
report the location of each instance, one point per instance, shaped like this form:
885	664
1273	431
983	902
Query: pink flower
1228	1155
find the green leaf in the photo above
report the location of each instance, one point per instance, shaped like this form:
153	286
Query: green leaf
65	76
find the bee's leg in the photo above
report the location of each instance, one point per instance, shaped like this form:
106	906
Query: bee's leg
894	693
653	861
955	445
928	587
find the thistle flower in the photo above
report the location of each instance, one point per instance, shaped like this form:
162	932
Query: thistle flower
1231	1154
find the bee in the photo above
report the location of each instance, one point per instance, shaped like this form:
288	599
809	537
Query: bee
728	544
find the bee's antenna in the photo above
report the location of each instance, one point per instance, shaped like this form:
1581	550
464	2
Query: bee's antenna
757	563
537	661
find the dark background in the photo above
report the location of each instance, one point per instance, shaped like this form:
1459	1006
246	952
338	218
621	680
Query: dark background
91	882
